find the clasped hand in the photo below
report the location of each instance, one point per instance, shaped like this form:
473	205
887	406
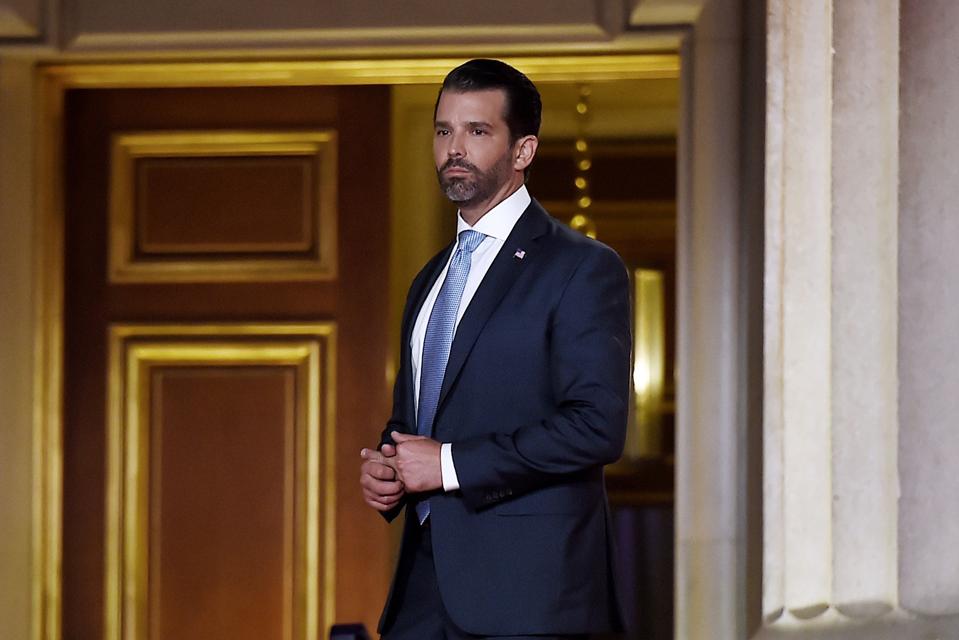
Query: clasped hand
413	466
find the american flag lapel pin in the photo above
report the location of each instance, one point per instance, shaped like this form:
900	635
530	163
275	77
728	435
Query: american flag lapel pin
520	254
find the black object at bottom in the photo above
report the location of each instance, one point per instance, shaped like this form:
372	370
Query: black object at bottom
349	632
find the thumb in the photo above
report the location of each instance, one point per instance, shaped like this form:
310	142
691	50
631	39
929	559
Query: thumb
388	450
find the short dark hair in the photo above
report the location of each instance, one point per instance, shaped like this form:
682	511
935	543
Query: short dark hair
524	107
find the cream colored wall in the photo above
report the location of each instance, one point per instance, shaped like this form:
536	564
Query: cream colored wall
16	348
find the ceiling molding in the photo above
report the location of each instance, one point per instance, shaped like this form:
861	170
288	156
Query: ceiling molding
553	68
657	13
21	19
151	25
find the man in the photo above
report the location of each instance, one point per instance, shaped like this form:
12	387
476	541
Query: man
511	396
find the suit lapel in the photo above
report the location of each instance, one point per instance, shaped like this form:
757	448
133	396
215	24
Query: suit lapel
418	297
502	273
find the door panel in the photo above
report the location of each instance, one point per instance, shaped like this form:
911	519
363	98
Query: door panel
222	549
215	224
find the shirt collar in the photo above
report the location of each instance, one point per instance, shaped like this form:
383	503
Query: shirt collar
499	221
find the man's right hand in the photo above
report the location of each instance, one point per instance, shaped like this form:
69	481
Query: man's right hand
381	488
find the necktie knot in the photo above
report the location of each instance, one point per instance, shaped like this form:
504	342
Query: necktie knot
469	240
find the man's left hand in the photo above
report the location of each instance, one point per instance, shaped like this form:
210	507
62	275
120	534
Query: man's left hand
418	462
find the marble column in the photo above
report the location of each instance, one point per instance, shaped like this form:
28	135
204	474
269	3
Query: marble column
861	498
929	309
831	420
709	407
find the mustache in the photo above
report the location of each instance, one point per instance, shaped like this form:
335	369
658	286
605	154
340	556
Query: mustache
457	164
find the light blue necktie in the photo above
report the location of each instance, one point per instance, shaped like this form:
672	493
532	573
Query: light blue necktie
439	339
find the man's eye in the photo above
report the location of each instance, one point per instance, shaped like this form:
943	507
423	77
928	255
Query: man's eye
479	132
442	132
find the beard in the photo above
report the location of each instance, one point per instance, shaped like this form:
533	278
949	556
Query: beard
477	187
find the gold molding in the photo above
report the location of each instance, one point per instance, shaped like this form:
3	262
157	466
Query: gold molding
128	147
48	366
373	66
555	68
335	36
134	351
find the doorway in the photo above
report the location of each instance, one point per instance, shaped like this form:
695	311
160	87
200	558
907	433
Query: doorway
105	306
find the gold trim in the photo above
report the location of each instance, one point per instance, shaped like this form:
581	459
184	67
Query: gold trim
48	367
332	36
134	351
554	65
558	68
128	147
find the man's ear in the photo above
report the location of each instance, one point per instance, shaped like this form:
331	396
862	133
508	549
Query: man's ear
525	151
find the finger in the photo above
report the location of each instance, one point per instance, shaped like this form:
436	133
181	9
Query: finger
369	480
380	502
382	487
389	501
388	450
370	454
400	438
378	506
375	456
379	471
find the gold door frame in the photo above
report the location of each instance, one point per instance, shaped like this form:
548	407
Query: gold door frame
55	80
134	350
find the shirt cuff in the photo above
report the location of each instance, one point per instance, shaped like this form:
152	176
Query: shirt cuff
447	470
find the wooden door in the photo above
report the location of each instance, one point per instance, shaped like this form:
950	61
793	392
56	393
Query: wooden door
225	357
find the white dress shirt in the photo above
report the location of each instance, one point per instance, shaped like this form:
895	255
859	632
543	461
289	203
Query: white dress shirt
496	225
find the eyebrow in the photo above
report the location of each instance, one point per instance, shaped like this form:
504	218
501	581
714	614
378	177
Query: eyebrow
472	123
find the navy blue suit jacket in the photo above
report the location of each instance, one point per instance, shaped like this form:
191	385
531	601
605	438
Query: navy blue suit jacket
534	400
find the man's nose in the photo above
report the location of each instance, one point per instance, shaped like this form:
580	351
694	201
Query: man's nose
456	148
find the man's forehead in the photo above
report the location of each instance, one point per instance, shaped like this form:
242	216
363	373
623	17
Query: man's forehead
491	102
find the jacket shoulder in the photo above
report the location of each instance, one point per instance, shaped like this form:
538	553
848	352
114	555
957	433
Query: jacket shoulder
576	246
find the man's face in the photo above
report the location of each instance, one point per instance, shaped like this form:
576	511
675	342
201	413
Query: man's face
471	145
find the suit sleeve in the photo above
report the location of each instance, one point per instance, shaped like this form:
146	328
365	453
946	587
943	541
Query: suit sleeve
395	423
589	369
